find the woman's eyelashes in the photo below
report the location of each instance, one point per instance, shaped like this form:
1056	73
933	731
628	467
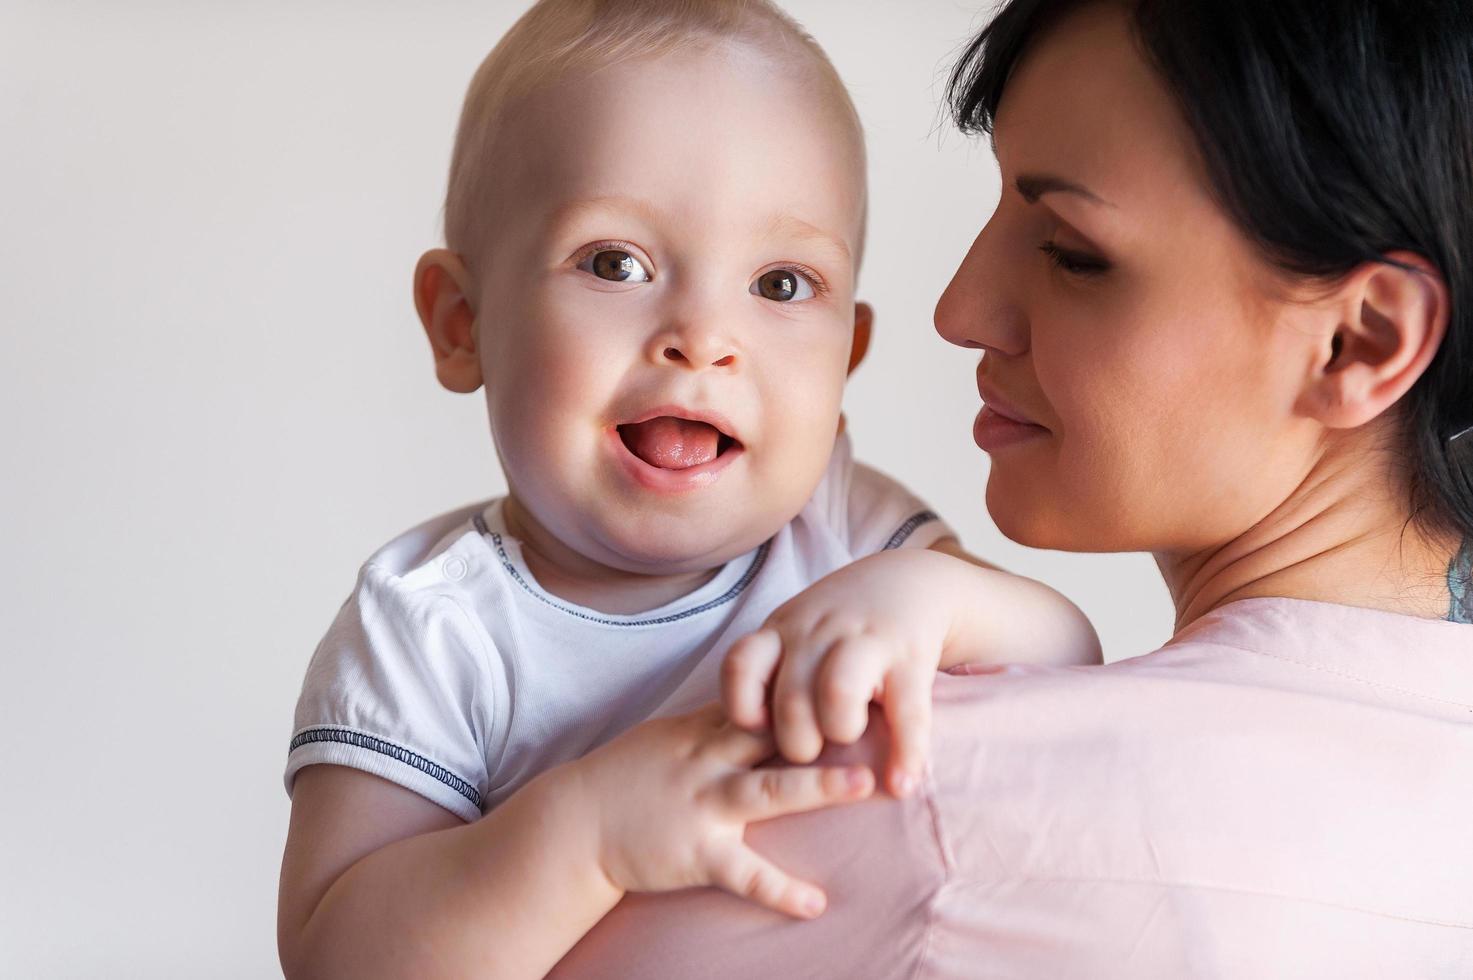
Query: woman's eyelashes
1072	261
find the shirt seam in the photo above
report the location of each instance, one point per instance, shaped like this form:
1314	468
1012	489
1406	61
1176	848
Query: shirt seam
948	869
1344	675
911	525
487	645
351	736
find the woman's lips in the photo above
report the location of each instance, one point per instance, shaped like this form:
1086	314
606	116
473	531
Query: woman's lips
1000	425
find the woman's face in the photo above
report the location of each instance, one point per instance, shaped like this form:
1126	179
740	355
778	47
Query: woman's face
1122	313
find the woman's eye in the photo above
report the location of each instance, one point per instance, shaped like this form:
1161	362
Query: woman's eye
1076	263
615	265
782	286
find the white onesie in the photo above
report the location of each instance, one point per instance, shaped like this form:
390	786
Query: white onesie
452	673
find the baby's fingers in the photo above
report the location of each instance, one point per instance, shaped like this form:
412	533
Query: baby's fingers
847	682
762	794
908	711
742	871
745	676
794	714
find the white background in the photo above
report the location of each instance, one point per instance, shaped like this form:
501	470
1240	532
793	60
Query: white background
217	402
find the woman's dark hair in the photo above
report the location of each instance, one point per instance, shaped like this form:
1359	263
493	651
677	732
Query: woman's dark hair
1334	132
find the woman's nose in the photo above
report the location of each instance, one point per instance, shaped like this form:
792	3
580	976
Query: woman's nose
977	310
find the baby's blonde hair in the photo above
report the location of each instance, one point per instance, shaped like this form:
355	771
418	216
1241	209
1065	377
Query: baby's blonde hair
557	37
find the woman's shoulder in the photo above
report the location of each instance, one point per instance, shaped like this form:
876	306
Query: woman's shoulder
1269	750
1245	651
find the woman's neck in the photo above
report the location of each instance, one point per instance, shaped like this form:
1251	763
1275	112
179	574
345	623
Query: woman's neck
570	575
1344	536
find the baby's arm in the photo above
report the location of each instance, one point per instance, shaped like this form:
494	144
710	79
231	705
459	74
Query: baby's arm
1008	619
379	882
878	630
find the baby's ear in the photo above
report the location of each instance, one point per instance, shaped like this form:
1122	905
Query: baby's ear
442	291
864	323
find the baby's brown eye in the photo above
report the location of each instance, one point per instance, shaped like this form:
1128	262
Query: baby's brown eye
615	265
782	286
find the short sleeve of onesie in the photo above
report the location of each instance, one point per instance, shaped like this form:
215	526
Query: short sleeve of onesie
400	687
871	511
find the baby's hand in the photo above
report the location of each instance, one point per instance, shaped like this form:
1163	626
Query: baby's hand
872	631
671	798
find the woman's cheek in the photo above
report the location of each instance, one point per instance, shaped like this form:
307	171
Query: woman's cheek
1149	454
1114	438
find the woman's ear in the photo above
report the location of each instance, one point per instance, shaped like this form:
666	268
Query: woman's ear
442	291
864	323
1392	317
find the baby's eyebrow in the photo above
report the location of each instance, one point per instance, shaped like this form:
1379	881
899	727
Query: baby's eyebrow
785	226
792	227
609	204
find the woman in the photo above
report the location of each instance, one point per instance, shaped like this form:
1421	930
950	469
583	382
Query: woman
1226	310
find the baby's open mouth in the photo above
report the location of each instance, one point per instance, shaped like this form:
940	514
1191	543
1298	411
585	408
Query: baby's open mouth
672	443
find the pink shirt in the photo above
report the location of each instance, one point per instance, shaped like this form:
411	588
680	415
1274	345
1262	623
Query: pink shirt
1284	790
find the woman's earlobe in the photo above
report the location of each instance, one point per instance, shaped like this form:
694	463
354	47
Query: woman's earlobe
442	291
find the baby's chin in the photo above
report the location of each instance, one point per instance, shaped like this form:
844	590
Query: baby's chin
676	546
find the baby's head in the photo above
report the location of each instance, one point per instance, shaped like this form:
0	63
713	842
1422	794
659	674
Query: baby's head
654	223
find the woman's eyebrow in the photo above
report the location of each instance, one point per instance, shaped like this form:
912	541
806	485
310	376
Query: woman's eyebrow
1034	186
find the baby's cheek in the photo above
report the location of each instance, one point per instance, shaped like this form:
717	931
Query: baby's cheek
547	399
554	367
805	425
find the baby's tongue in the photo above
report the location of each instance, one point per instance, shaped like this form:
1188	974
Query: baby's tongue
671	443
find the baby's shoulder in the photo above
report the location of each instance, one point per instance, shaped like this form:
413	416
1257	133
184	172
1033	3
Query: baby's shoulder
413	601
427	556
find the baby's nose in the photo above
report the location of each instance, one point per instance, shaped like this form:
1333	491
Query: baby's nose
694	350
676	354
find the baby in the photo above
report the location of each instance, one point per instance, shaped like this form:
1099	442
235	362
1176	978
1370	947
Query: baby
654	225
